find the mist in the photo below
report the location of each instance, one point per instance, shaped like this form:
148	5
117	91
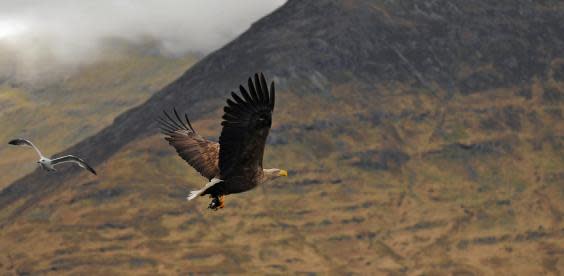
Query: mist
36	34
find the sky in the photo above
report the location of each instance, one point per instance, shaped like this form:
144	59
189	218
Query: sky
72	31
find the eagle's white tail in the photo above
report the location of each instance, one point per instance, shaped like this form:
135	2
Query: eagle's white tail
194	194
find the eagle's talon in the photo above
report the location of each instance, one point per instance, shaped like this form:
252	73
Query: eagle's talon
221	202
217	203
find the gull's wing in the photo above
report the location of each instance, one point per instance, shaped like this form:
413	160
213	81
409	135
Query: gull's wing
24	142
246	123
201	154
74	159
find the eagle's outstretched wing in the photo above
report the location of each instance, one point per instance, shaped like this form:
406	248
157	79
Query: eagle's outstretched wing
246	123
201	154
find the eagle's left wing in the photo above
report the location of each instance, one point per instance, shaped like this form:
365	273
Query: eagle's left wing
201	154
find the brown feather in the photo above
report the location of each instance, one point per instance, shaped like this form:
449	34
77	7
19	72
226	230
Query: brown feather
201	154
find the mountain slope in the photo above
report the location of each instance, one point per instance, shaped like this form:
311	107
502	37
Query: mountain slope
63	108
421	138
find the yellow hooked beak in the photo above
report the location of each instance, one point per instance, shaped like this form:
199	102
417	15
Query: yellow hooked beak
283	173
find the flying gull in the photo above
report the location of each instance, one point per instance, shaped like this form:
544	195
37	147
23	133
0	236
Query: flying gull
49	164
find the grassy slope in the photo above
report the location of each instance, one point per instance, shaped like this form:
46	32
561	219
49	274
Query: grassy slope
348	206
385	181
63	112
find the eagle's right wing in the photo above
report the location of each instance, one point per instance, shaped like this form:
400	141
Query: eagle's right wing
201	154
246	123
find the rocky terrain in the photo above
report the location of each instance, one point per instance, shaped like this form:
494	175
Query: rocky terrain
420	138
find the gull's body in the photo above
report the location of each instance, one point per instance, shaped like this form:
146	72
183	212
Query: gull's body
49	164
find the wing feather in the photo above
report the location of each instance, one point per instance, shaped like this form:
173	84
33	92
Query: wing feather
237	99
73	159
24	142
249	102
255	92
246	124
264	88
201	154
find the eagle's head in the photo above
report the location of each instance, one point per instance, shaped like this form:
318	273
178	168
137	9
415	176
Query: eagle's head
270	174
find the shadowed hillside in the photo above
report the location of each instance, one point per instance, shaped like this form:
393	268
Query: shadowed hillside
421	139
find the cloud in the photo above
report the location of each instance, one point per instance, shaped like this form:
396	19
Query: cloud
73	31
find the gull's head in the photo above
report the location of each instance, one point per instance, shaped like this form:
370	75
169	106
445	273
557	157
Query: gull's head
270	174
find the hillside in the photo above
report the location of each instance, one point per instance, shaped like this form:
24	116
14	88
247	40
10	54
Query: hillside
421	139
60	108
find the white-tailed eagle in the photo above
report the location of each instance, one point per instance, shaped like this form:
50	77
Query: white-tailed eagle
234	165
